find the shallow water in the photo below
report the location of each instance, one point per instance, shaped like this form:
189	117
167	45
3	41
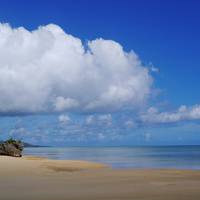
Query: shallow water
180	157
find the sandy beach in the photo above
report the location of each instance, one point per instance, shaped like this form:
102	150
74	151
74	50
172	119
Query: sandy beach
43	179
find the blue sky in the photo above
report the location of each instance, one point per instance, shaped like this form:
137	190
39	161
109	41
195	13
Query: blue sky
160	107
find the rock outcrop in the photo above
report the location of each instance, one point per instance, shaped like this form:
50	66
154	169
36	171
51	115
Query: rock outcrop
11	148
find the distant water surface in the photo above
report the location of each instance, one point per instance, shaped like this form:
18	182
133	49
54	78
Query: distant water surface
180	157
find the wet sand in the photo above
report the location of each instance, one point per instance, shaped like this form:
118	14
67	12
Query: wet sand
31	178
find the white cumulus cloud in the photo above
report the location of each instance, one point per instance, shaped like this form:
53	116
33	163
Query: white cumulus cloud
47	70
64	119
183	113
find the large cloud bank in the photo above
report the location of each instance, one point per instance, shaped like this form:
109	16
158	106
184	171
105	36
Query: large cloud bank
48	70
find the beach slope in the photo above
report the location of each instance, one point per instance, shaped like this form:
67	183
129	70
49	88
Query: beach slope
31	178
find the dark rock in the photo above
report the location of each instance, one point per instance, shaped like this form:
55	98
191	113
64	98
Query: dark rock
11	148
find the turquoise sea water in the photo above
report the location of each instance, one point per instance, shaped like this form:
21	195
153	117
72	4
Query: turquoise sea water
180	157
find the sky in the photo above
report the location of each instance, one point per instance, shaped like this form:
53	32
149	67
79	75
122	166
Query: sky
98	73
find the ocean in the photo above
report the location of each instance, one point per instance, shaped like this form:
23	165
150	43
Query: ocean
178	157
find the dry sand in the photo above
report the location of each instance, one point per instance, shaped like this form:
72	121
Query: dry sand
42	179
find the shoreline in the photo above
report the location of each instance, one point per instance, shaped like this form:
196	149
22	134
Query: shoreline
44	179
